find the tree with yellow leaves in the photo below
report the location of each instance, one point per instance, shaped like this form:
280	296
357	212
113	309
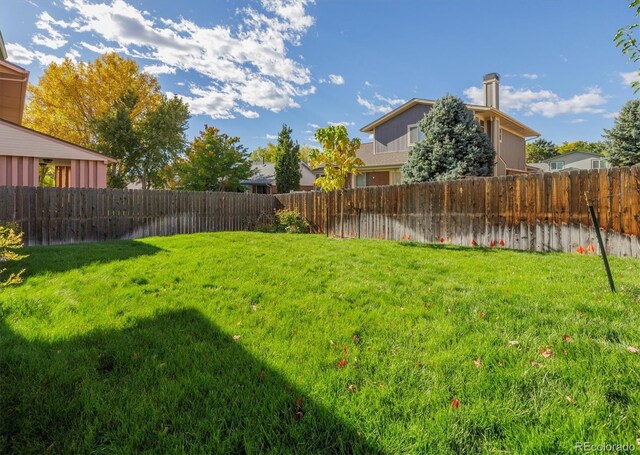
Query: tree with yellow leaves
338	156
69	97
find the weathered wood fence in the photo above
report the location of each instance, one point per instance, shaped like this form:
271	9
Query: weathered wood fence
51	216
540	212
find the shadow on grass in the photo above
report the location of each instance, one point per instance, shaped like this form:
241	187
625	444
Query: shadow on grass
480	249
61	258
171	384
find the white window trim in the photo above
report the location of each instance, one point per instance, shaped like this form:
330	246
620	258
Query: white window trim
409	143
556	163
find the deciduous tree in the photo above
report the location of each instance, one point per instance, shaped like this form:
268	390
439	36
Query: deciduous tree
266	154
287	164
338	156
214	162
582	146
454	145
69	97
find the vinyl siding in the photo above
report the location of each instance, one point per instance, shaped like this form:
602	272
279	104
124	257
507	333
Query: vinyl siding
513	150
392	136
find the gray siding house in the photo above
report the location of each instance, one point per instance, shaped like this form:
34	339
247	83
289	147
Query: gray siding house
572	160
397	131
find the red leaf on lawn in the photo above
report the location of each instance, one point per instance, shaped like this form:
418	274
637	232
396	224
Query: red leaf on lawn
342	363
441	239
492	243
455	403
473	242
502	243
298	414
590	248
567	338
409	237
580	250
482	314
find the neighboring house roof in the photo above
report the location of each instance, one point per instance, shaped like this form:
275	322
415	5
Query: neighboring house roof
16	140
265	174
365	153
575	152
506	120
13	87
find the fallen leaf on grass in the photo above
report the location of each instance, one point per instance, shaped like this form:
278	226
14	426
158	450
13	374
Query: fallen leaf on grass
535	364
569	399
632	349
352	388
482	315
455	403
236	337
262	374
514	343
546	352
567	338
356	339
342	363
298	414
477	363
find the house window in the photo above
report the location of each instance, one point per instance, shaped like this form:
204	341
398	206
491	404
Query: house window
598	164
415	135
361	179
556	165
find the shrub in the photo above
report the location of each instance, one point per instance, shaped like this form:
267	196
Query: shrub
290	221
10	241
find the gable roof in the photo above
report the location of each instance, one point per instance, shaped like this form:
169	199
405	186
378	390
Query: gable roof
17	140
510	122
575	152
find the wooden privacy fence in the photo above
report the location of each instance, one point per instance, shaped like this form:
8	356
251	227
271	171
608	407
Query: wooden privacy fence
539	212
49	216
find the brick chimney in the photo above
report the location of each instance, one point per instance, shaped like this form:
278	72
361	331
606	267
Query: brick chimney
491	83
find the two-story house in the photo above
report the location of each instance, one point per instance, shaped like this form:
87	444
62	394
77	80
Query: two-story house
397	131
569	161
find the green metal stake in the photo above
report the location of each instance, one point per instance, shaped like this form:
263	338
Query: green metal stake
603	252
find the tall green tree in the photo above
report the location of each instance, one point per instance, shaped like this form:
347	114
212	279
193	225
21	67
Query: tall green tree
214	162
454	145
623	146
338	157
145	144
287	165
540	150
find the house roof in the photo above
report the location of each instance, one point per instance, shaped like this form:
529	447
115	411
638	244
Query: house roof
17	140
508	121
575	152
13	89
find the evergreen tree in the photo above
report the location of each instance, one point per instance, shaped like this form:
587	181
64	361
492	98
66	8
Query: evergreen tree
287	164
540	150
454	145
623	140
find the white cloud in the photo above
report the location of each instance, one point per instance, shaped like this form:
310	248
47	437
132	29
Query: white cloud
630	77
23	56
50	37
336	79
244	67
159	69
313	125
577	120
543	102
611	115
271	136
341	123
368	84
383	105
530	76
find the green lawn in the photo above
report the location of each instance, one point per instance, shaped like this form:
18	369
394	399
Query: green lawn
204	343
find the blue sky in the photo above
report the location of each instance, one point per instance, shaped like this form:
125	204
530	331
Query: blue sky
249	66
